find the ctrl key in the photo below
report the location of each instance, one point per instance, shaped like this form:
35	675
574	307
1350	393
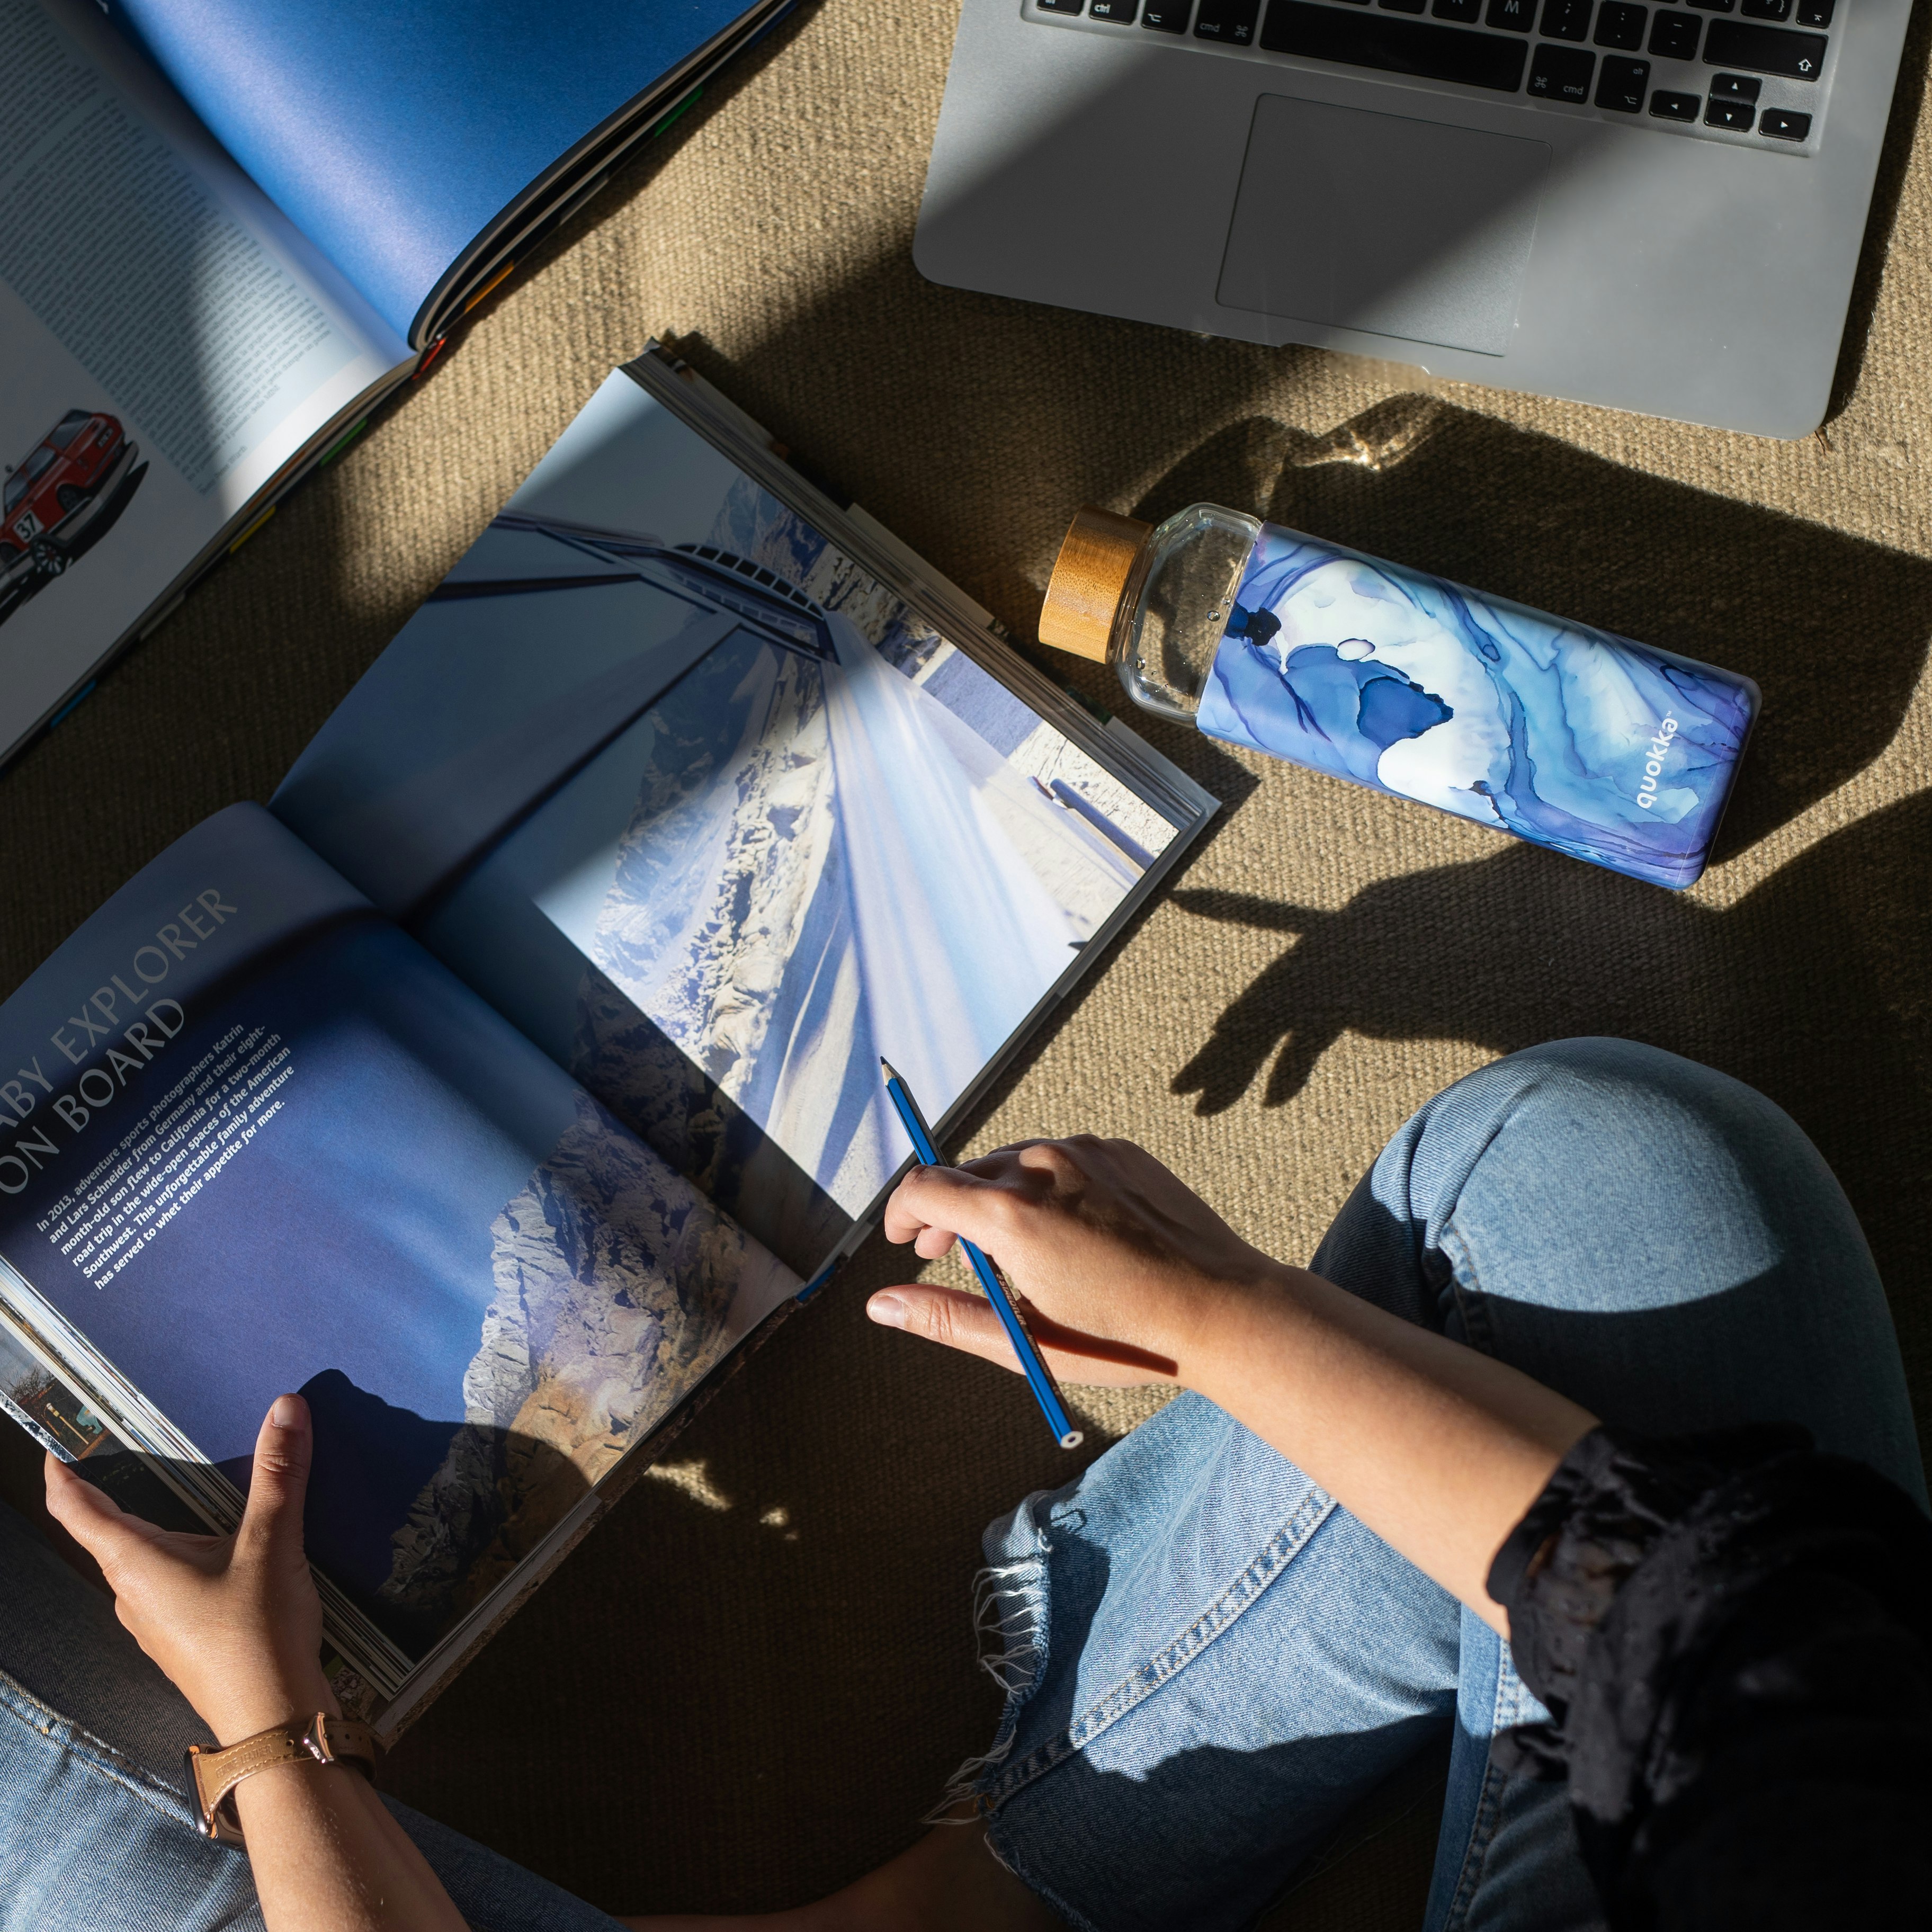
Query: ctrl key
1561	74
1669	106
1783	125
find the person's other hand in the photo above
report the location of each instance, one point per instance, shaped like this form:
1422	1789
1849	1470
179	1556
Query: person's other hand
1122	1269
233	1620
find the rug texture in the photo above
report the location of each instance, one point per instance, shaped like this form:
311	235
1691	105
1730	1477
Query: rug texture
747	1684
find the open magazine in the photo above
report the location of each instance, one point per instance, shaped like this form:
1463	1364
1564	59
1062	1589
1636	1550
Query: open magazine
519	1062
231	227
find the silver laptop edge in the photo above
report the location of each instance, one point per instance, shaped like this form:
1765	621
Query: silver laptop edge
1605	258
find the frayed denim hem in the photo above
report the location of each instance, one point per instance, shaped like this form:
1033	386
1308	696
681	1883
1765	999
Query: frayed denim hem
1009	1615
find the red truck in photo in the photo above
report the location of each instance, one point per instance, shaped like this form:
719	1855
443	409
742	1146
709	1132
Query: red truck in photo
61	499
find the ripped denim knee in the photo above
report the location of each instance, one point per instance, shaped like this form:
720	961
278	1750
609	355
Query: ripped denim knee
1010	1616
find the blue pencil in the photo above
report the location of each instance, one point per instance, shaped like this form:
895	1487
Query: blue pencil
1045	1393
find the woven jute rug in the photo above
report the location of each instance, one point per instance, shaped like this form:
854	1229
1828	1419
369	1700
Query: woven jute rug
751	1680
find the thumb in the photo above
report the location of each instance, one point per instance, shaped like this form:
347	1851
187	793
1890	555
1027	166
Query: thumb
273	1520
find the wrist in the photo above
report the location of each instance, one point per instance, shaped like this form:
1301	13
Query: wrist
259	1703
1228	1318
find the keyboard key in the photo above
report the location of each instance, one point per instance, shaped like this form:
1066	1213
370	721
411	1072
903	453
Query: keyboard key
1230	20
1620	25
1164	17
1394	47
1622	86
1404	6
1815	13
1783	125
1735	87
1518	16
1561	74
1675	106
1675	35
1764	50
1567	20
1713	6
1120	12
1731	114
1060	6
1765	10
1468	11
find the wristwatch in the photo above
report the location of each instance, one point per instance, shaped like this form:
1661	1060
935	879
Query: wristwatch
214	1771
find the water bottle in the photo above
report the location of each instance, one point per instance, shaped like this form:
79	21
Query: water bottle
1568	736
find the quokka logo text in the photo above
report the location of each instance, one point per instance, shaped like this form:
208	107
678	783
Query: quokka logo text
1646	790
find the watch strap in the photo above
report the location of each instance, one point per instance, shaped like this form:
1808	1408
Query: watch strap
215	1771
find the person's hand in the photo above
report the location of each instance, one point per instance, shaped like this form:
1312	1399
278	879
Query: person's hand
233	1620
1123	1271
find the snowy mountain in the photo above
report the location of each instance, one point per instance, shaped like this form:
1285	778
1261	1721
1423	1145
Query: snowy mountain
615	1283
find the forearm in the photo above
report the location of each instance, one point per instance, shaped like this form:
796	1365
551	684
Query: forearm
236	1623
328	1857
1437	1448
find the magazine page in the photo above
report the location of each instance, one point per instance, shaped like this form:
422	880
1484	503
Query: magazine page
395	136
168	345
254	1138
717	819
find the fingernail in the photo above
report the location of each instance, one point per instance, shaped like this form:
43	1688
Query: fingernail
888	1310
286	1412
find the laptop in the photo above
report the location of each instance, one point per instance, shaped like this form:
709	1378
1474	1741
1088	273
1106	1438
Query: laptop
1651	205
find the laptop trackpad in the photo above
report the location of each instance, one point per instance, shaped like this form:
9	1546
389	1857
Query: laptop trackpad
1376	222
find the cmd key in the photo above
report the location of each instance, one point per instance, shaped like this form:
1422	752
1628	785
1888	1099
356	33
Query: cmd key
1561	74
1230	20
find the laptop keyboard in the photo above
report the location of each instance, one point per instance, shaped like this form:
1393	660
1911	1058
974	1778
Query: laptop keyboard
1750	73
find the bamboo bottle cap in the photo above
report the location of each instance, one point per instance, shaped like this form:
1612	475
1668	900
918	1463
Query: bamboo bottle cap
1097	558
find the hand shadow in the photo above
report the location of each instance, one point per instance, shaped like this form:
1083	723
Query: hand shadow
1809	989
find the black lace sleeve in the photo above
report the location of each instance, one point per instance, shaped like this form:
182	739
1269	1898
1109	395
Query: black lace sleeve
1733	1635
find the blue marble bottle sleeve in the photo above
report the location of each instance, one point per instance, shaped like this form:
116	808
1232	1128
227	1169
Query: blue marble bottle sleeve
1570	737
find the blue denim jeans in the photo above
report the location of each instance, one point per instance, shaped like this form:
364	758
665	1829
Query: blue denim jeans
1208	1663
96	1831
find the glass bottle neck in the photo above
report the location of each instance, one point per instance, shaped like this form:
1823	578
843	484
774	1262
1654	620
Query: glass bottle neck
1194	566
